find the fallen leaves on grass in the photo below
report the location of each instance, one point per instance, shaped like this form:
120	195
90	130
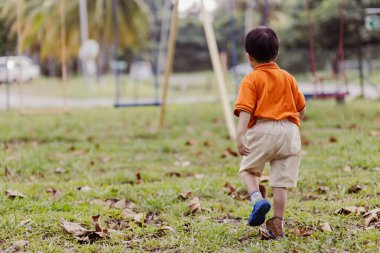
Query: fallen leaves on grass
185	195
182	163
309	197
229	152
13	194
302	231
229	188
323	189
371	216
138	178
229	220
208	143
8	172
54	193
264	233
173	174
59	170
84	188
333	139
375	133
355	189
19	245
325	227
194	206
166	228
190	142
82	234
347	169
350	209
305	141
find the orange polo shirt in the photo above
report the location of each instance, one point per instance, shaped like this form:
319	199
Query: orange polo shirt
271	93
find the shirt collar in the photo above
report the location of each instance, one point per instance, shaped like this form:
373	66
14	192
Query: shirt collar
269	65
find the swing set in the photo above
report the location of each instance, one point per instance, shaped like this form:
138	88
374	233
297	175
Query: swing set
319	89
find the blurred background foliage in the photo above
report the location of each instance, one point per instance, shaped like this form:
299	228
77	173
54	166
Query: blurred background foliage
41	27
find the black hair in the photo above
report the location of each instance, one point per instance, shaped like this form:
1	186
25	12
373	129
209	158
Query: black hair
262	44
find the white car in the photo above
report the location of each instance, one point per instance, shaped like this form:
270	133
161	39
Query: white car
10	71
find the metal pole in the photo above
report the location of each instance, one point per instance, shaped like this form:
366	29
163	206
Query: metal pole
155	49
265	19
164	35
116	45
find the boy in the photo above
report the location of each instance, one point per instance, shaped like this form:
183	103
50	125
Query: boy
269	107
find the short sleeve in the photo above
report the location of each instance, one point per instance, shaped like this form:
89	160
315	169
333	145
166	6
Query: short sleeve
246	100
299	98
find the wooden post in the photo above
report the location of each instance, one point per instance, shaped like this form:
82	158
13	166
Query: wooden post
63	53
217	65
169	61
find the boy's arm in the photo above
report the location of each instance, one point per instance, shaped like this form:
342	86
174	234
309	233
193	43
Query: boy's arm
302	112
244	118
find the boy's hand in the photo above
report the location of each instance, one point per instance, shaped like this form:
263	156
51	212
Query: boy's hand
243	150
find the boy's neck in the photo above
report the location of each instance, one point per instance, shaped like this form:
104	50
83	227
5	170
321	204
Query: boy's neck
255	64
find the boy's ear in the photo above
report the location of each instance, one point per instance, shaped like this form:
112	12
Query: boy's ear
250	58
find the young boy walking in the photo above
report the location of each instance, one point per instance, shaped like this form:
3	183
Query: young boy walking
269	107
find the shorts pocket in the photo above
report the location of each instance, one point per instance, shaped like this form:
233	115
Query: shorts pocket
294	141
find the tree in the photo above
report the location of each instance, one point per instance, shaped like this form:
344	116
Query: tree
41	24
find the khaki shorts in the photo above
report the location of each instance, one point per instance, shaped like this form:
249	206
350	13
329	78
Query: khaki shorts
276	142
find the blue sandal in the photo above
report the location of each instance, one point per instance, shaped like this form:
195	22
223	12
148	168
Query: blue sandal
260	209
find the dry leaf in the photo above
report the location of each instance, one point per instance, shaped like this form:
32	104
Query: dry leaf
8	172
84	188
190	143
264	233
375	133
333	139
194	206
185	195
54	193
97	202
173	174
309	197
303	232
167	228
13	194
323	189
59	170
18	245
326	227
208	143
82	234
229	188
355	189
370	218
105	159
182	163
349	210
22	223
138	178
347	169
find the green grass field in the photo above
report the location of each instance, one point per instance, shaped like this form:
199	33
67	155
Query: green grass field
90	157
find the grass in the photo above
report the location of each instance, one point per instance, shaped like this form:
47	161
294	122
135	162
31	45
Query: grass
104	148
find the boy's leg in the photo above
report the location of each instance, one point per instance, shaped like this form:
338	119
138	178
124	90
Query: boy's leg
260	205
251	183
279	201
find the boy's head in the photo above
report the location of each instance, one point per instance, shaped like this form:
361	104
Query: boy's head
262	44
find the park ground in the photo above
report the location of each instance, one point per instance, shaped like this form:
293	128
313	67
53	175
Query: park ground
102	161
